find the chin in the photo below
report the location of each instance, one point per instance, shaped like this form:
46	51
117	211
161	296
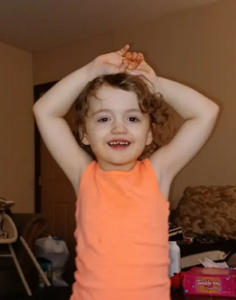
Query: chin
119	160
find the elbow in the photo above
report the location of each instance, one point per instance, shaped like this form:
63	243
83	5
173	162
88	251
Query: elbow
38	110
211	110
209	114
215	110
35	109
212	114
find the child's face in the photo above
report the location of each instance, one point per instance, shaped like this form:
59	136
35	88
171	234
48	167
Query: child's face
116	129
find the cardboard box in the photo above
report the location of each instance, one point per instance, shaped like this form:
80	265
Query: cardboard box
210	281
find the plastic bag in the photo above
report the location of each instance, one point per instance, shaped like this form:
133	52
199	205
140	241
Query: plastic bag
55	250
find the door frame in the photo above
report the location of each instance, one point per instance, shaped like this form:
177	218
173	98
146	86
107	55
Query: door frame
38	90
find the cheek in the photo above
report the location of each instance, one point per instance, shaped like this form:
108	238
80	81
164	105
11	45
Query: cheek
95	135
145	129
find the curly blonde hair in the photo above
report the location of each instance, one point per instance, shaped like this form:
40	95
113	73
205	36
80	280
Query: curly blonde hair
149	102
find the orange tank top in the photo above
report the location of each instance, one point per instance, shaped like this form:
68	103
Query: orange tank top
122	236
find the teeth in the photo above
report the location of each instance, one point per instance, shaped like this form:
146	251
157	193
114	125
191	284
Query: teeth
119	143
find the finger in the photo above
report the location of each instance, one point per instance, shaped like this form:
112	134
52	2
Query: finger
124	66
134	56
128	55
132	65
131	56
140	57
123	50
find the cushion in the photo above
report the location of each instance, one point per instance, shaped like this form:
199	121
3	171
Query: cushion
208	211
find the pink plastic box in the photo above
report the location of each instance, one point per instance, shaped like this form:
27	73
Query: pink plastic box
210	281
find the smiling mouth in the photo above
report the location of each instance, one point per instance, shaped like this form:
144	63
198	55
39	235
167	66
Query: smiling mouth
118	144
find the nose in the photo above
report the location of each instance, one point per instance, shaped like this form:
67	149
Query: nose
119	128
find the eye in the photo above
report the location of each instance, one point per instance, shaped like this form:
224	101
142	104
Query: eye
133	119
102	120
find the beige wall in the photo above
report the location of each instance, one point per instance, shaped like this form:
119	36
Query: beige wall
56	63
196	47
16	128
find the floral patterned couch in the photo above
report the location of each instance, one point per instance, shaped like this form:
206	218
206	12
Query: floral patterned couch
207	211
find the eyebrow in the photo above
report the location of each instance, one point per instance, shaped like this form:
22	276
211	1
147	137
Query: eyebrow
109	111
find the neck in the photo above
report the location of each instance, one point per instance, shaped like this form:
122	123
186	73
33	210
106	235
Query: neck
106	166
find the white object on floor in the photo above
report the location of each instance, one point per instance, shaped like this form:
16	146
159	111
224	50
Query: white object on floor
174	254
208	263
55	250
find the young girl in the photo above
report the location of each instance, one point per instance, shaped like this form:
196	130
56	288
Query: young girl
122	209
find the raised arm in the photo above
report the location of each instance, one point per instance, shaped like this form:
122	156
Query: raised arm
200	115
49	111
53	106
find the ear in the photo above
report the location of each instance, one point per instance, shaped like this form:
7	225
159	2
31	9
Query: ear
83	136
85	139
149	137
